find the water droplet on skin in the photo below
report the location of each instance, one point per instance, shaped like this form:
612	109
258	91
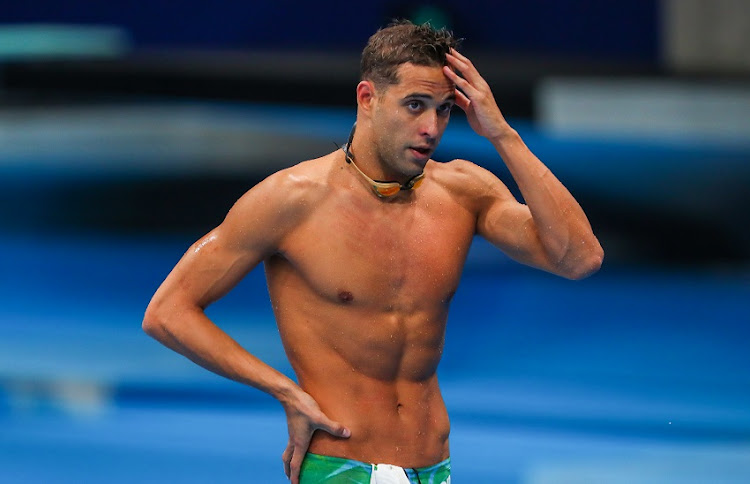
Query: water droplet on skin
205	242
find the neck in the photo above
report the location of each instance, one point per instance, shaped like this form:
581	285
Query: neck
370	162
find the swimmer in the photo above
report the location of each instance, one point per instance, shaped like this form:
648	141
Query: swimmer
363	250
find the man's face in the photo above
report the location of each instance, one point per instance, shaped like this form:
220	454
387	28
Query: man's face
409	118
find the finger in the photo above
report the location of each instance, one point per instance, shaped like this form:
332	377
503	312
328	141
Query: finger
460	82
335	428
296	464
286	457
466	68
456	62
456	53
462	101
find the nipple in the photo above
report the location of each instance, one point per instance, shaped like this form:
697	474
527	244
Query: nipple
346	296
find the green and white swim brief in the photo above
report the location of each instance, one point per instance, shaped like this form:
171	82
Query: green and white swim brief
335	470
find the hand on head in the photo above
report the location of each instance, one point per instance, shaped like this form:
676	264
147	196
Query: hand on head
474	96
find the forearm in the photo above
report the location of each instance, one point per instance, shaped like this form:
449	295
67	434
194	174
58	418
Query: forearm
561	225
192	334
558	223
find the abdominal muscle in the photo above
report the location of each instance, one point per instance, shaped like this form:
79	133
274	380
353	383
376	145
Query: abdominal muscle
400	423
375	374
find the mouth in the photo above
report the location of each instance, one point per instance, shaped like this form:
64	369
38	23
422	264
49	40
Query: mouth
421	152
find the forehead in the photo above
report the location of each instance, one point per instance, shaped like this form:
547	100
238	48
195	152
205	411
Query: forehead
422	79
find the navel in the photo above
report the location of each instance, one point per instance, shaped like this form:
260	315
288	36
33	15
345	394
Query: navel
345	296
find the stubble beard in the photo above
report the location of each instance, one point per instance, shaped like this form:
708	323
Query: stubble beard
395	161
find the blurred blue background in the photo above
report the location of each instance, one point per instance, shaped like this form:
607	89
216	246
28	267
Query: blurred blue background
128	130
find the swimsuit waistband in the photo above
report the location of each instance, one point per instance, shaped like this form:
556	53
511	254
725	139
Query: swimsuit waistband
322	468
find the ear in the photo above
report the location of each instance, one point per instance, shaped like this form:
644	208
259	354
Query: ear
366	95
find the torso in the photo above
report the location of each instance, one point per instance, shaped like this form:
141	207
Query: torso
361	289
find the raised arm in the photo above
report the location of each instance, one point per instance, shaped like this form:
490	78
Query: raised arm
551	231
251	231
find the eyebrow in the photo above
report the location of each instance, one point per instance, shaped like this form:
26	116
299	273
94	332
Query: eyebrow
419	95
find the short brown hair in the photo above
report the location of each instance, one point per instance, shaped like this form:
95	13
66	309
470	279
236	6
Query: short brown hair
401	42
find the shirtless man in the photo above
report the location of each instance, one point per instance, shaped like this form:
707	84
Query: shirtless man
361	273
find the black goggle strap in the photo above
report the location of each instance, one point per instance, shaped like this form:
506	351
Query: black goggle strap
409	185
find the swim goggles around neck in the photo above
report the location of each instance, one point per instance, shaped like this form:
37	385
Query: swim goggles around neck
382	189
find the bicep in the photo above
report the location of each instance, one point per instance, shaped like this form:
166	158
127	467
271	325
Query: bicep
208	270
509	226
216	263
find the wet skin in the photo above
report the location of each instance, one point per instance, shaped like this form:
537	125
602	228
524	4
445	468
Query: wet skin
360	285
363	320
362	315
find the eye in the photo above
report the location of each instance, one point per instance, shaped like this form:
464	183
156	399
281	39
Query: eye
445	109
414	105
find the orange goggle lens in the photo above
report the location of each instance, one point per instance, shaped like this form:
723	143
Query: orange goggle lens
415	182
386	189
382	188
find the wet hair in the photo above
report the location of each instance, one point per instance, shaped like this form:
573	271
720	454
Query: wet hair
401	42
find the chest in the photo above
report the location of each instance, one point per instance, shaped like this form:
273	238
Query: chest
389	254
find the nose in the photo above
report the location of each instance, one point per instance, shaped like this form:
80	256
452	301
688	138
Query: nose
429	127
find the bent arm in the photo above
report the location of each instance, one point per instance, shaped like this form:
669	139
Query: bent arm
208	270
175	316
551	231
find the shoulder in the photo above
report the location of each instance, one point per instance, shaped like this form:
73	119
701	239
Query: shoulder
468	182
291	189
280	201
